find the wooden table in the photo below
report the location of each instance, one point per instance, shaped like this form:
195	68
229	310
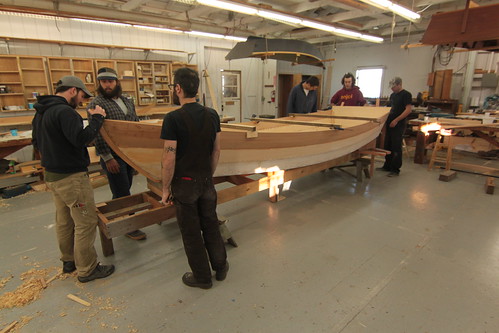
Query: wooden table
422	139
10	144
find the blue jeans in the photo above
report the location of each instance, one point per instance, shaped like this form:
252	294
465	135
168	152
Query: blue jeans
120	183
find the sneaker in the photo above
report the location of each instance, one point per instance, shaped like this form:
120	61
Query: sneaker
68	266
222	274
189	280
100	272
393	174
137	235
382	169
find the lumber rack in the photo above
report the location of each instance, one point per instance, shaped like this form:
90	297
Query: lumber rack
120	216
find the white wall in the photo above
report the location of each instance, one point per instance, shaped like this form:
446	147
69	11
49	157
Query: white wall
206	53
412	65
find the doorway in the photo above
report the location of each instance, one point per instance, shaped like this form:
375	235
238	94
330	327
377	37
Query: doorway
231	94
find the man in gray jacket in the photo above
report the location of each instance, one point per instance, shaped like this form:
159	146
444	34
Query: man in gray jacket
303	97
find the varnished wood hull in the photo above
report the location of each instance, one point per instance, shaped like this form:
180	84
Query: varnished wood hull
275	147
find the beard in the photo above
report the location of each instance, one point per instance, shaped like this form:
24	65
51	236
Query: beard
73	102
116	92
176	100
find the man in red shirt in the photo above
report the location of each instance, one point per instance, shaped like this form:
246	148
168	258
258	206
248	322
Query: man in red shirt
350	94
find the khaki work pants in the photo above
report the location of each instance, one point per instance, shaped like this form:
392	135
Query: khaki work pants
76	221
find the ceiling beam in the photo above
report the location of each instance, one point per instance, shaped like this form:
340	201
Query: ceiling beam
132	4
67	9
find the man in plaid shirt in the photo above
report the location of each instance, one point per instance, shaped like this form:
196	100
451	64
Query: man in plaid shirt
118	107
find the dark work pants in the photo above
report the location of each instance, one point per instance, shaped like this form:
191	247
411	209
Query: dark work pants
393	143
196	202
120	183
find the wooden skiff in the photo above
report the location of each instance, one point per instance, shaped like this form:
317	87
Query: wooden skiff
261	145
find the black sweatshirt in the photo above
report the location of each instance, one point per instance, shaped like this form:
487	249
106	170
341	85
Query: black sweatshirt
59	135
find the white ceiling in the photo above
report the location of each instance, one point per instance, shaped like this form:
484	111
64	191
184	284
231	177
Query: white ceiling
188	14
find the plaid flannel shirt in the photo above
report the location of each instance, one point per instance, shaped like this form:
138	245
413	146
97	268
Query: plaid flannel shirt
114	112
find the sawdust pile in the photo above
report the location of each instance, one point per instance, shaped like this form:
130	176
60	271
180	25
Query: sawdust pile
29	291
22	322
3	204
4	281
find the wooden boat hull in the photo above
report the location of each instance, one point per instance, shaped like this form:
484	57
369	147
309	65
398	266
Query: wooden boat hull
273	146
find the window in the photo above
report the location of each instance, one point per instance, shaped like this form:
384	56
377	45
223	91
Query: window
369	81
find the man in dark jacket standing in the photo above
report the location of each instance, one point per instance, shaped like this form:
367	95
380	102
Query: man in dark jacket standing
118	107
350	94
59	136
401	107
190	157
303	97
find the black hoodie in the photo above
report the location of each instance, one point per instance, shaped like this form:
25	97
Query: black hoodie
59	135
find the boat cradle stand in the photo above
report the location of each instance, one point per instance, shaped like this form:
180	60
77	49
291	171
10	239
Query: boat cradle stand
120	216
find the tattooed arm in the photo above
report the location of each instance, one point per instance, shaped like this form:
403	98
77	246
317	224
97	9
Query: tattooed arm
167	168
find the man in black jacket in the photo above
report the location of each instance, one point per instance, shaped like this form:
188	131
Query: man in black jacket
59	136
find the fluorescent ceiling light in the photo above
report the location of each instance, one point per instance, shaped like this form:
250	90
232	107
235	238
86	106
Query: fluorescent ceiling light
279	17
133	50
157	29
238	39
349	33
397	9
369	38
102	22
229	6
204	34
318	26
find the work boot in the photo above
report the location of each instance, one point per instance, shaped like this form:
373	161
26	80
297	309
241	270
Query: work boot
222	274
137	235
68	266
189	280
100	272
393	174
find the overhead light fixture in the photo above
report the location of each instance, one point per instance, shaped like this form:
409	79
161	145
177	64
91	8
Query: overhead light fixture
278	17
204	34
229	6
318	26
289	19
238	39
397	9
102	22
145	27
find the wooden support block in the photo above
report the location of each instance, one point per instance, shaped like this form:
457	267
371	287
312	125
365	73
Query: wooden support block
447	176
489	185
78	300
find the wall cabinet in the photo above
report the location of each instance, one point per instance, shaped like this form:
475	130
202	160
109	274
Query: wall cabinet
23	78
126	74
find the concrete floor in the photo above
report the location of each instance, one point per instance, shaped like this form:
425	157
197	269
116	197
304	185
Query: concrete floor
404	254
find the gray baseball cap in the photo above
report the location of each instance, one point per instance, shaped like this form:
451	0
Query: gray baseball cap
73	81
396	81
106	73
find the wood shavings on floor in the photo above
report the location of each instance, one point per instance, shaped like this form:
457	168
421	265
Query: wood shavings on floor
28	291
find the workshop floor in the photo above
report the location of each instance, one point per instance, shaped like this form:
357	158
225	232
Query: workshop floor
402	254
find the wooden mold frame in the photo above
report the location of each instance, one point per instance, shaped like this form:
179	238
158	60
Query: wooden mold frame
120	216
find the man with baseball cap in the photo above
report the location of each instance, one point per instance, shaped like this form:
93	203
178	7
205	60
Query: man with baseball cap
401	107
59	136
118	107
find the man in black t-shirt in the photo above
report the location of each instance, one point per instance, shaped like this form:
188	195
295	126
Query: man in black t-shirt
190	156
400	101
